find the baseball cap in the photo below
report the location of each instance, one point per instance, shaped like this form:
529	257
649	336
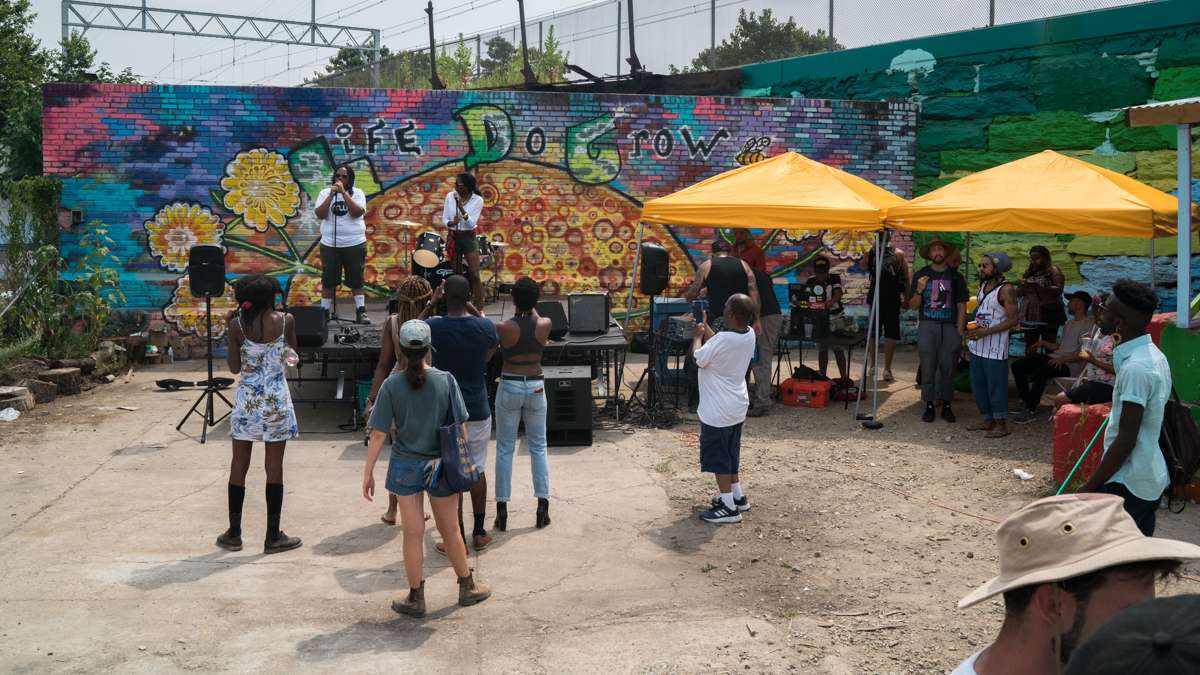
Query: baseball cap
415	334
1063	537
1156	637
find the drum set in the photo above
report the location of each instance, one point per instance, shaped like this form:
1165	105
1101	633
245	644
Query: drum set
430	261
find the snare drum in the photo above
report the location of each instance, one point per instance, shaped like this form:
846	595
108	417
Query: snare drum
431	250
485	251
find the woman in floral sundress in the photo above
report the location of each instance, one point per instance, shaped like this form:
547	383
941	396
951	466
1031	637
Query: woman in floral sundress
260	339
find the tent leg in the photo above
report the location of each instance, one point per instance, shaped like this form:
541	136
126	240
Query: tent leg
873	422
1153	285
637	266
1183	277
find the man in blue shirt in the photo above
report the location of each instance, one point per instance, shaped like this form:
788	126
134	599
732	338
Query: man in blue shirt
1133	467
463	344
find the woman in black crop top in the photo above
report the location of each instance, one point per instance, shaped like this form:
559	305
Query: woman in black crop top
521	395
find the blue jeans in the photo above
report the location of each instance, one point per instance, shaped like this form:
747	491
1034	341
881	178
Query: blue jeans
516	401
989	384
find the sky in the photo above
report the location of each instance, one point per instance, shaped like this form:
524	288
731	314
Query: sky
669	31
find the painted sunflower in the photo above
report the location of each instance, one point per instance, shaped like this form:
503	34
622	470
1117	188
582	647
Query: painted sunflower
848	244
186	311
259	187
178	227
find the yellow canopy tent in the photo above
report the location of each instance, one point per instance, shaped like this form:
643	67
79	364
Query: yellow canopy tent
1040	194
788	191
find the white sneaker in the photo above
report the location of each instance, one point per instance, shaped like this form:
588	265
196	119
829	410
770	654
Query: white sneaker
887	376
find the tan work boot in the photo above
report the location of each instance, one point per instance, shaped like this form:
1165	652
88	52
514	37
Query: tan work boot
470	591
414	604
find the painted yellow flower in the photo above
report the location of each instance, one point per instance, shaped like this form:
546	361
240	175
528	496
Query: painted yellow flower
178	227
848	244
186	311
259	187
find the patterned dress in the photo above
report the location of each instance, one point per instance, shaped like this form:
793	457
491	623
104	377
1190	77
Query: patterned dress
262	406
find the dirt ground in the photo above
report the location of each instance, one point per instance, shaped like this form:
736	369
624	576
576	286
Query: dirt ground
858	546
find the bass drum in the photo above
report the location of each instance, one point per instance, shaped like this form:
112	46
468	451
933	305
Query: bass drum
437	274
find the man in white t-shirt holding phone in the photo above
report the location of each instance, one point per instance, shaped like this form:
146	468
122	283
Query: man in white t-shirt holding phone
721	365
340	208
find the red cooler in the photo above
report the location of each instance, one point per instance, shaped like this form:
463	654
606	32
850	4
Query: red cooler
1073	428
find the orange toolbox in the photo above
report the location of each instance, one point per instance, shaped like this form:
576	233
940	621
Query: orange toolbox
804	393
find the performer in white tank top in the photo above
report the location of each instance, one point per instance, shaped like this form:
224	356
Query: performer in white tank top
988	341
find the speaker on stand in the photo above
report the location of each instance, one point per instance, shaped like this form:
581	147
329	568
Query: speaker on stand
206	275
654	279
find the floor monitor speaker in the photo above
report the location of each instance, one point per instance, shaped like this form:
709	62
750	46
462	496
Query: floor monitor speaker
553	310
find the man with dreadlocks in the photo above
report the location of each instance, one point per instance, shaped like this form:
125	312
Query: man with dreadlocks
412	297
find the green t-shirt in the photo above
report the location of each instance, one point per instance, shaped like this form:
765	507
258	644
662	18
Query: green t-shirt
416	414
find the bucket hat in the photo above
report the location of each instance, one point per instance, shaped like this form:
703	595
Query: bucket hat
1068	536
937	242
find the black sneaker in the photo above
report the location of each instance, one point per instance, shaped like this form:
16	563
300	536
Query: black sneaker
229	542
280	543
948	414
721	514
742	504
360	316
929	413
1023	416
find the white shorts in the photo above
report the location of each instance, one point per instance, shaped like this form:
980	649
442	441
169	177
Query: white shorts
479	433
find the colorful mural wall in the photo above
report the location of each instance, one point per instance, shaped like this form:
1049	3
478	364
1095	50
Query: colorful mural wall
562	176
992	95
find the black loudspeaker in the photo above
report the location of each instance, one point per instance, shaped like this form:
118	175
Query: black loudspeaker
311	330
206	271
553	310
568	405
656	270
588	312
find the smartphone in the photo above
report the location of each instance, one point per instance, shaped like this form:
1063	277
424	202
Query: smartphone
698	310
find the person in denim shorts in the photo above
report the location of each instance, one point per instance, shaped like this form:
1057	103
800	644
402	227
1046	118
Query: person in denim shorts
416	401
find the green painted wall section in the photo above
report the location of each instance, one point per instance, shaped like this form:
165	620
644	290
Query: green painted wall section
992	95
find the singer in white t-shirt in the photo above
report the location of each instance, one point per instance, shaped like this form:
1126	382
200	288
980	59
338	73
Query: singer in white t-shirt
340	208
461	214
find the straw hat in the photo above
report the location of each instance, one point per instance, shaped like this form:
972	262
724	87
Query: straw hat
937	242
1068	536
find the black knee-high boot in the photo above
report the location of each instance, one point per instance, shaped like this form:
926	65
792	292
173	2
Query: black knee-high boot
231	539
276	541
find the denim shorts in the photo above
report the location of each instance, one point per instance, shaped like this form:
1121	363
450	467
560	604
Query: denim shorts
407	477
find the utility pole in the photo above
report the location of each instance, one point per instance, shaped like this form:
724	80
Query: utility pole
712	35
635	65
830	47
618	38
434	82
530	78
991	12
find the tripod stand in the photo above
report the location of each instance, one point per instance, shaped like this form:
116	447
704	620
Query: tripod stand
211	388
651	413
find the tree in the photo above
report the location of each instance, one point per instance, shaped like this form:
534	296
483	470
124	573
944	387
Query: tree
347	60
75	61
758	38
456	69
549	62
499	53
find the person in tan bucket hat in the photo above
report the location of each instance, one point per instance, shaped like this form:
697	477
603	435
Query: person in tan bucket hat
1067	565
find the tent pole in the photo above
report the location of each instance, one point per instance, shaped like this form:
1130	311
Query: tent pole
1183	279
1153	286
873	329
637	264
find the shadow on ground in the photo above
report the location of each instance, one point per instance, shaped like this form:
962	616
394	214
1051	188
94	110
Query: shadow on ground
188	570
402	634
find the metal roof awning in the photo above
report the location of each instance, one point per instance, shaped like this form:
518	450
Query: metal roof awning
1181	111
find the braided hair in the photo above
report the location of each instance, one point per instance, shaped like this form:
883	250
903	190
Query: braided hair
411	297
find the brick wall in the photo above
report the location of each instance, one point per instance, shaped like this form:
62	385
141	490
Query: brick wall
562	175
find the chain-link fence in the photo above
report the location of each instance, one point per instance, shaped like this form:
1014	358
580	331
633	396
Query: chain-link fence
671	34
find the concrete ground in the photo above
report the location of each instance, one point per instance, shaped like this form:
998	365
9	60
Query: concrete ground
107	559
859	546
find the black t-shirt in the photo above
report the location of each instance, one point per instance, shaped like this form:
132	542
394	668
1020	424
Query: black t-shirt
726	278
820	293
766	294
892	288
942	294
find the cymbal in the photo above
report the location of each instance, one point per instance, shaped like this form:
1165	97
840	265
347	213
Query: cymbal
409	223
500	244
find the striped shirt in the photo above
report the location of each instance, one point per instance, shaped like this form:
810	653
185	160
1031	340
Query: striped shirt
989	313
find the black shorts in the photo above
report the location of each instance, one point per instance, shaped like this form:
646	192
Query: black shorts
720	448
1090	392
352	259
465	242
889	320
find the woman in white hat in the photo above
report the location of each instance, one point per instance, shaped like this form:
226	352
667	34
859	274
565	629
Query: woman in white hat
415	401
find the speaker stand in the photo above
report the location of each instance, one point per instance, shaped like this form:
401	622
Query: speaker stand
209	418
649	412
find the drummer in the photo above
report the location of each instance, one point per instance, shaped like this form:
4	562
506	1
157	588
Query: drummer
461	214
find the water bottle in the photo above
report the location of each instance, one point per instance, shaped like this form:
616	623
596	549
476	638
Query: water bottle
291	358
